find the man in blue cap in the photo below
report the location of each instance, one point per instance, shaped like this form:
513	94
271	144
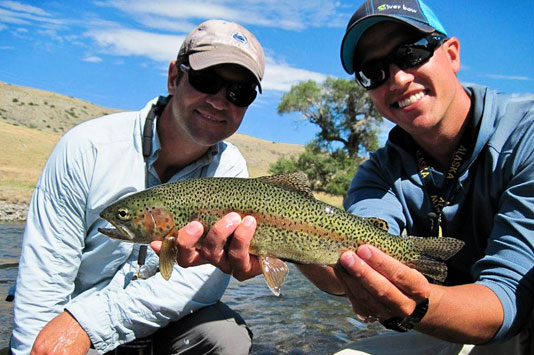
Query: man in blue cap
459	163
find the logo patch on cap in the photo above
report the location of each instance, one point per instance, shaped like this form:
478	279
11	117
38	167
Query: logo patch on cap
386	7
238	36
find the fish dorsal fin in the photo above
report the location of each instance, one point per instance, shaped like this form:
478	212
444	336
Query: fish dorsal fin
274	272
297	181
167	255
379	223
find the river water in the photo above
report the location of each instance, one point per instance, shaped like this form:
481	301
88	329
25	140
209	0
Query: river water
303	320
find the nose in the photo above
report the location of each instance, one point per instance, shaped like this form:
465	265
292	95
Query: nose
399	78
218	100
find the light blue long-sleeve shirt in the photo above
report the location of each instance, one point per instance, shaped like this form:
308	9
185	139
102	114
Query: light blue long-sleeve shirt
66	264
491	207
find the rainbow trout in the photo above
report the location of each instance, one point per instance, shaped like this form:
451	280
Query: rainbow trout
291	224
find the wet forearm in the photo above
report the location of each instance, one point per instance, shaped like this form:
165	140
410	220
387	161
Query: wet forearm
323	277
468	314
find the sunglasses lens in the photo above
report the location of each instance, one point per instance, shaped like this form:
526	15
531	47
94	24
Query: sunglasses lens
241	95
409	56
373	74
210	83
205	82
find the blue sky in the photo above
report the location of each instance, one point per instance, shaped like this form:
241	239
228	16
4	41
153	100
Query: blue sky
115	53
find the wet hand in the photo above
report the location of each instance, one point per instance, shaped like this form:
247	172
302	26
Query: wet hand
378	286
62	335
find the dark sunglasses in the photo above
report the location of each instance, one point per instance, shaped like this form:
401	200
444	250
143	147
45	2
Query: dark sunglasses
209	82
374	73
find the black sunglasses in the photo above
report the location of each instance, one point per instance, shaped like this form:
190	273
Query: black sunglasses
209	82
374	73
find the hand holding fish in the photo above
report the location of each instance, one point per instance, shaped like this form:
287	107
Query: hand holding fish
379	286
226	246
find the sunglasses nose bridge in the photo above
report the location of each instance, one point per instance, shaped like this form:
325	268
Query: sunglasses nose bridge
398	76
219	99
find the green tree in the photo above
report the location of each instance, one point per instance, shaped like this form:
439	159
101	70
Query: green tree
348	126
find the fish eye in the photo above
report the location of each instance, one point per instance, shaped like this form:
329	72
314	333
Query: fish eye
124	214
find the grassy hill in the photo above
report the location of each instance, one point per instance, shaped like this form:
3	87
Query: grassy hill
32	121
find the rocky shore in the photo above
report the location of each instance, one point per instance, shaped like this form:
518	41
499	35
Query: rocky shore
11	212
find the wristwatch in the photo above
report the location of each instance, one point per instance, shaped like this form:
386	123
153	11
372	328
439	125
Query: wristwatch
402	325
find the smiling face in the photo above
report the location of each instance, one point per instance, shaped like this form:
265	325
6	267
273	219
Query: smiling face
422	100
205	119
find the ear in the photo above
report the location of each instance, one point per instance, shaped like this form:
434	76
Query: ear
172	78
452	48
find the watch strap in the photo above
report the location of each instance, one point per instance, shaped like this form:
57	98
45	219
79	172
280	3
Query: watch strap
401	324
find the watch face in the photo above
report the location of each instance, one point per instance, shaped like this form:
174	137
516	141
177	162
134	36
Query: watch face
400	324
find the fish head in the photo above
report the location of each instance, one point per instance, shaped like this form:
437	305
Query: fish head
137	220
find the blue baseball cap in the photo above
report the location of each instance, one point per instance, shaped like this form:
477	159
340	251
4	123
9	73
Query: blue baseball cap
411	12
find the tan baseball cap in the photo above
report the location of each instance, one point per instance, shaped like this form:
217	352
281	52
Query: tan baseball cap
220	42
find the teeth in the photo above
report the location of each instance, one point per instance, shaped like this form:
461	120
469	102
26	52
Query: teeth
411	100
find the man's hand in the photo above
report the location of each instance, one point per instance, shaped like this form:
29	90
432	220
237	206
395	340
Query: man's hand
62	335
379	286
226	246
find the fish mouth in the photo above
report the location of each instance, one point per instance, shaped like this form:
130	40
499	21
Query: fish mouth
117	233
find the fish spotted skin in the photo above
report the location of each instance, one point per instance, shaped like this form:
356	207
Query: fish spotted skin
291	224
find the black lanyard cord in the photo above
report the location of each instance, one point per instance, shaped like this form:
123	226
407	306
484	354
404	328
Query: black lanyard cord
441	197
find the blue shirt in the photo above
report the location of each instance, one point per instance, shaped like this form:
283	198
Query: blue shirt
66	264
491	207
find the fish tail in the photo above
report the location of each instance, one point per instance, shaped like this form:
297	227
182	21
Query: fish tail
433	251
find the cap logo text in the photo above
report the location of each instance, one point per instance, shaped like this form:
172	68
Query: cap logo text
386	7
238	36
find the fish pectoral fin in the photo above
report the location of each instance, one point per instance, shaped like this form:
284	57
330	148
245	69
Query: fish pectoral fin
379	223
274	272
167	255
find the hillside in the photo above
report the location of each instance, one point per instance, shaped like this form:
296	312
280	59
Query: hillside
33	120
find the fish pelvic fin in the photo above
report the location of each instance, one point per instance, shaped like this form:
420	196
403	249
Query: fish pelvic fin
167	255
274	271
433	251
296	181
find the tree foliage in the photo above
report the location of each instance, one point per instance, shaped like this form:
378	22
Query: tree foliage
348	126
330	172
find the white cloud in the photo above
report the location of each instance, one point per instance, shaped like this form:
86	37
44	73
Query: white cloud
281	77
23	8
293	15
507	77
127	42
17	13
92	59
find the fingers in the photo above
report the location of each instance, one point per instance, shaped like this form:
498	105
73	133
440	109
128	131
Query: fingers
213	247
188	237
243	264
409	281
380	286
226	246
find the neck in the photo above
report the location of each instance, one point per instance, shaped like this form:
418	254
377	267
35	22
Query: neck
442	142
176	151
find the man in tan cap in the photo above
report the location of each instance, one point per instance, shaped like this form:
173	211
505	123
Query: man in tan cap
78	289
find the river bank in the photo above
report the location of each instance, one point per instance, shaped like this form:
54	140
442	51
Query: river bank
13	212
